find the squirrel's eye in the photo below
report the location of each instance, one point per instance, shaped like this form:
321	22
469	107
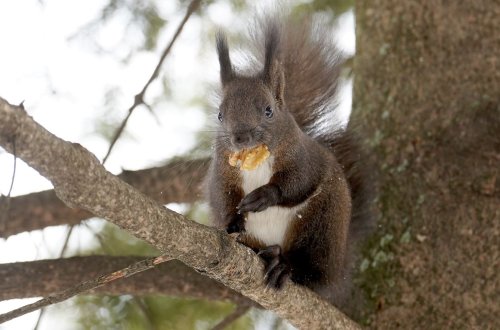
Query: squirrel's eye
269	112
219	116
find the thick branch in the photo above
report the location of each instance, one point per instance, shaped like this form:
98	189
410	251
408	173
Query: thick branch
80	180
44	277
180	181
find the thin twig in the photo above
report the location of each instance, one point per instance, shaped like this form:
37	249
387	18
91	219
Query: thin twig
139	98
107	249
66	241
85	286
99	237
5	212
239	311
61	254
14	169
145	312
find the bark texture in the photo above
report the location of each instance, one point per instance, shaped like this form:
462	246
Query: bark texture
179	181
427	92
43	277
80	180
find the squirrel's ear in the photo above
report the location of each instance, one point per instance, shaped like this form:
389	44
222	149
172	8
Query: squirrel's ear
277	82
226	69
273	74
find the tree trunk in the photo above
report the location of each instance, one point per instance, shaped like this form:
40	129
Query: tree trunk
427	94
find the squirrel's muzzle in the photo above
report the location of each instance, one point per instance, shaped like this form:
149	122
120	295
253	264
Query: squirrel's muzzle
242	139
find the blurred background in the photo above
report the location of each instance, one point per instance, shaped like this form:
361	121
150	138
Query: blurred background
76	66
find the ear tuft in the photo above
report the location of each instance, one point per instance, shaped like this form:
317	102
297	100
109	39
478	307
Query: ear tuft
271	52
226	69
273	74
278	83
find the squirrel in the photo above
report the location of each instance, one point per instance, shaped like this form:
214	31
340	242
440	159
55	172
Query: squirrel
305	207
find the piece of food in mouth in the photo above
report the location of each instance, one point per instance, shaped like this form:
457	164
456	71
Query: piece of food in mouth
249	159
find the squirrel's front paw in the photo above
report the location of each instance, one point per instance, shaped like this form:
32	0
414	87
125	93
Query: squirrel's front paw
277	269
259	199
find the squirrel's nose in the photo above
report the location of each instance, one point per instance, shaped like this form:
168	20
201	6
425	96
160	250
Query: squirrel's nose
241	139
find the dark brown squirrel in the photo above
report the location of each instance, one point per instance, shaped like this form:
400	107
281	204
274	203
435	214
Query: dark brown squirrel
306	206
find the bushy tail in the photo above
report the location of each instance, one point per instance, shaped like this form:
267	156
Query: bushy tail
348	150
312	63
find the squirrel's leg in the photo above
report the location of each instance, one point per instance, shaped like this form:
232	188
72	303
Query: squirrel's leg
250	241
276	268
226	200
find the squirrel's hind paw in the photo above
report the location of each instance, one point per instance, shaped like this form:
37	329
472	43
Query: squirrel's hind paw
277	269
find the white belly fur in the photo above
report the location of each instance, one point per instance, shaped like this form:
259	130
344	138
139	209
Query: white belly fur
270	225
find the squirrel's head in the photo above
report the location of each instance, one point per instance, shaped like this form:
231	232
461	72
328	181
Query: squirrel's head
252	111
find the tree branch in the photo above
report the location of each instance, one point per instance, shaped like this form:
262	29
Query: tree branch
54	298
80	180
179	181
43	277
139	266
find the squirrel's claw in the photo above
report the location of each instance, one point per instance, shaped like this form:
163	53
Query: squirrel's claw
276	277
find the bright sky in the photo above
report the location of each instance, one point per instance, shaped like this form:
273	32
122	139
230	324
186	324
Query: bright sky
63	81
